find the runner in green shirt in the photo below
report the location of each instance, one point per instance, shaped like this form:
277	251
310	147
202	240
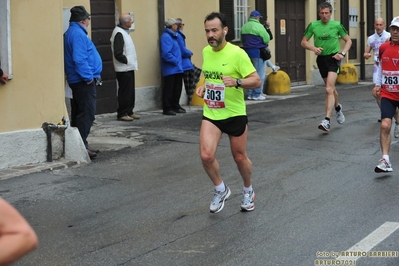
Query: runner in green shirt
326	46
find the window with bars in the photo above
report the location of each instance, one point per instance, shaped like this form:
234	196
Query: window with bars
236	12
241	11
377	9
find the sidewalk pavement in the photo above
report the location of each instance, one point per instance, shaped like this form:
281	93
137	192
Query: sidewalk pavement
107	134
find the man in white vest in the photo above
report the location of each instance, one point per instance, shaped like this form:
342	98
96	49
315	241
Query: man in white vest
125	63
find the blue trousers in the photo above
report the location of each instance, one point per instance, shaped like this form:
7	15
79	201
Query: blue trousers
259	65
83	108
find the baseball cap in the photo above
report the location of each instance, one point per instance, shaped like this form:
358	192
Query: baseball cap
255	13
171	21
395	22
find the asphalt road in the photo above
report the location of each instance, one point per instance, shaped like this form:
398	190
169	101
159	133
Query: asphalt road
148	204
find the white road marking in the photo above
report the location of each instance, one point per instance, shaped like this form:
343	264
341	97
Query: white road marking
372	240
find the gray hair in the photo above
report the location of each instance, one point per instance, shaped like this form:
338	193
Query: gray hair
325	5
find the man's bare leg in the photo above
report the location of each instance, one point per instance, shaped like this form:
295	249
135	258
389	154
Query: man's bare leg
209	139
238	147
331	93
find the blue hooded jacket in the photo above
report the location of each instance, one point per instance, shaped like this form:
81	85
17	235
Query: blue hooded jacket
186	54
171	57
82	62
254	37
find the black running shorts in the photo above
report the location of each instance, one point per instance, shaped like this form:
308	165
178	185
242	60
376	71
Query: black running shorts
388	108
233	126
326	63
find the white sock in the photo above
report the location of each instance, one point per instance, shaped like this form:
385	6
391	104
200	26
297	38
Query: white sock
386	157
247	189
220	187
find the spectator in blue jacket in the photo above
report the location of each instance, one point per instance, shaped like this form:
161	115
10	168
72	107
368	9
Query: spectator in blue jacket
172	68
254	37
83	66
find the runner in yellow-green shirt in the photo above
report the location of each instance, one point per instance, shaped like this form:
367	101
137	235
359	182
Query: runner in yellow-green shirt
228	70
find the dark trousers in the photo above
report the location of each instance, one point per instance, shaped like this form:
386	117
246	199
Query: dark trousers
172	87
126	93
83	108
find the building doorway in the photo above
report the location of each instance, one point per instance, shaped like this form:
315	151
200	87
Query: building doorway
289	27
102	25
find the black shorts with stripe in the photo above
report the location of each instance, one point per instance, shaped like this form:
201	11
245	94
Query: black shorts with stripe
326	63
233	126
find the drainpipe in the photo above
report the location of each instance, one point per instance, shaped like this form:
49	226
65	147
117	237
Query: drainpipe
161	16
161	26
47	127
362	43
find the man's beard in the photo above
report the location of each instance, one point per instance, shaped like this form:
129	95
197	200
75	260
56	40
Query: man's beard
218	42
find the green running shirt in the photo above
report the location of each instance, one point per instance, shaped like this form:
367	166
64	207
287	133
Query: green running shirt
222	102
326	35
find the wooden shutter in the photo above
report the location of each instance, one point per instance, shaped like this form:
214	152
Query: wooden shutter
227	8
260	5
370	7
345	14
389	9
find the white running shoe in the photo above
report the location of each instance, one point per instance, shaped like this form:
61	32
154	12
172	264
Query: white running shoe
275	69
249	98
259	98
325	125
217	202
383	166
247	202
340	116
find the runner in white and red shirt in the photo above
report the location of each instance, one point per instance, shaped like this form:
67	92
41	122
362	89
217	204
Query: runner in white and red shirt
387	84
373	43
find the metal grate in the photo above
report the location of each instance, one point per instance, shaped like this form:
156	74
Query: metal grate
377	10
240	16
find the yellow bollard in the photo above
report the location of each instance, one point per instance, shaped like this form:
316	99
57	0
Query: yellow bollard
198	101
348	74
278	83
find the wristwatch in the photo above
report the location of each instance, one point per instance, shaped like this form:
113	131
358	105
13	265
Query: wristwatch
239	83
343	54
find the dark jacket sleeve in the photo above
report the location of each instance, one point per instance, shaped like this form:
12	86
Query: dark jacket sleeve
118	48
1	72
270	33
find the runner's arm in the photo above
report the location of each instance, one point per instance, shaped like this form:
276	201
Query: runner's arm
16	236
348	43
308	46
252	81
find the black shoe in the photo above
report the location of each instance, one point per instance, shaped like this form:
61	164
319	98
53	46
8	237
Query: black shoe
169	112
180	111
91	154
95	151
